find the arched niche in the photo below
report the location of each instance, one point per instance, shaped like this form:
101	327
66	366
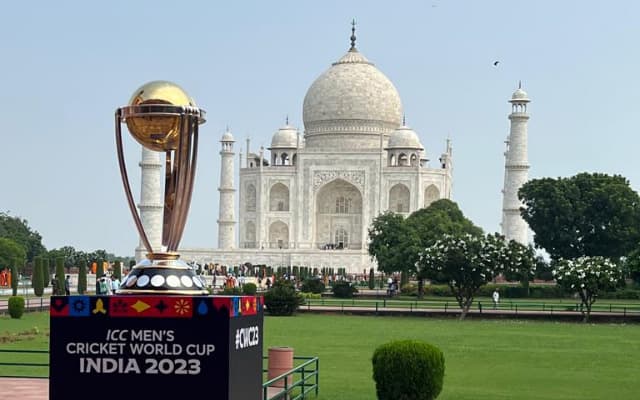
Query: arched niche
399	198
431	194
279	235
279	198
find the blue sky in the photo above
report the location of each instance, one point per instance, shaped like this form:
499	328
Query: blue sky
67	65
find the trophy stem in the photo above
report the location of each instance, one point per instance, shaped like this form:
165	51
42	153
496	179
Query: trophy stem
127	187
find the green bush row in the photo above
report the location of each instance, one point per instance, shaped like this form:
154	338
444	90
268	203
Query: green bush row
506	291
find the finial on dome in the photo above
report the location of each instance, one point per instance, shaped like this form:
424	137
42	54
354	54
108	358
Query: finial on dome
353	35
519	84
286	121
404	120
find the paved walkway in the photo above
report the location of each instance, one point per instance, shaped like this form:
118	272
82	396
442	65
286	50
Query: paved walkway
24	388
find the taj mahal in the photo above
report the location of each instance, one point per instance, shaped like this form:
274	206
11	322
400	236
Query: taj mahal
309	198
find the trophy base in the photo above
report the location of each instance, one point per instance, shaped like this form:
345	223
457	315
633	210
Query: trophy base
163	274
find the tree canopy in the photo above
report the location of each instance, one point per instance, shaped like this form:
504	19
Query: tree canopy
587	276
389	239
18	230
10	251
396	242
584	215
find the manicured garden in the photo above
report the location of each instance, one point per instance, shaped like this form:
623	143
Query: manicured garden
484	359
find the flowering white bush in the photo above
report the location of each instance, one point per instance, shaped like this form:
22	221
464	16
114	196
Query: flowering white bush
519	263
587	276
466	262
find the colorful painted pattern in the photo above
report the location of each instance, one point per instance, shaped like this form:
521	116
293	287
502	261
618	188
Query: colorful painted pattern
153	306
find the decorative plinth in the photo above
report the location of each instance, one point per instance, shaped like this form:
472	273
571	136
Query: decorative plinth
138	346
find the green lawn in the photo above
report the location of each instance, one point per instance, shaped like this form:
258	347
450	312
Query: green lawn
510	359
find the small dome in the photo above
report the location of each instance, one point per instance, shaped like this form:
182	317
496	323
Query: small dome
404	138
520	94
227	137
285	137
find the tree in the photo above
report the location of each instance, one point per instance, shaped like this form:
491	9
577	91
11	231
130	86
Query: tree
390	241
14	277
10	250
587	276
117	270
584	215
466	262
37	278
19	231
46	272
72	257
520	263
372	280
99	268
59	287
442	217
82	278
632	266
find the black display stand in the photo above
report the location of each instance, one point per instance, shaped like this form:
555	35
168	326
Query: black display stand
154	347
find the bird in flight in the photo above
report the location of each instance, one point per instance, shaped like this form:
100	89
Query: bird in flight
495	63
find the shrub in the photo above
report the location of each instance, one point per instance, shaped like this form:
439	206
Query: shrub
16	306
343	289
282	299
410	289
408	370
312	285
232	291
249	289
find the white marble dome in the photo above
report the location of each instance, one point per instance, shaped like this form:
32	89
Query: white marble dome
285	137
350	105
404	138
227	137
520	94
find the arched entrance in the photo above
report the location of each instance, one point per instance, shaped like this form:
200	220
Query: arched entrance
338	216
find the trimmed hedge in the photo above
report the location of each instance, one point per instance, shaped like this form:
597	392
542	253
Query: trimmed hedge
82	277
506	291
343	290
408	370
16	306
410	289
312	285
37	277
60	276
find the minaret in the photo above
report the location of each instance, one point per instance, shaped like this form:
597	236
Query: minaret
150	206
516	169
226	217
